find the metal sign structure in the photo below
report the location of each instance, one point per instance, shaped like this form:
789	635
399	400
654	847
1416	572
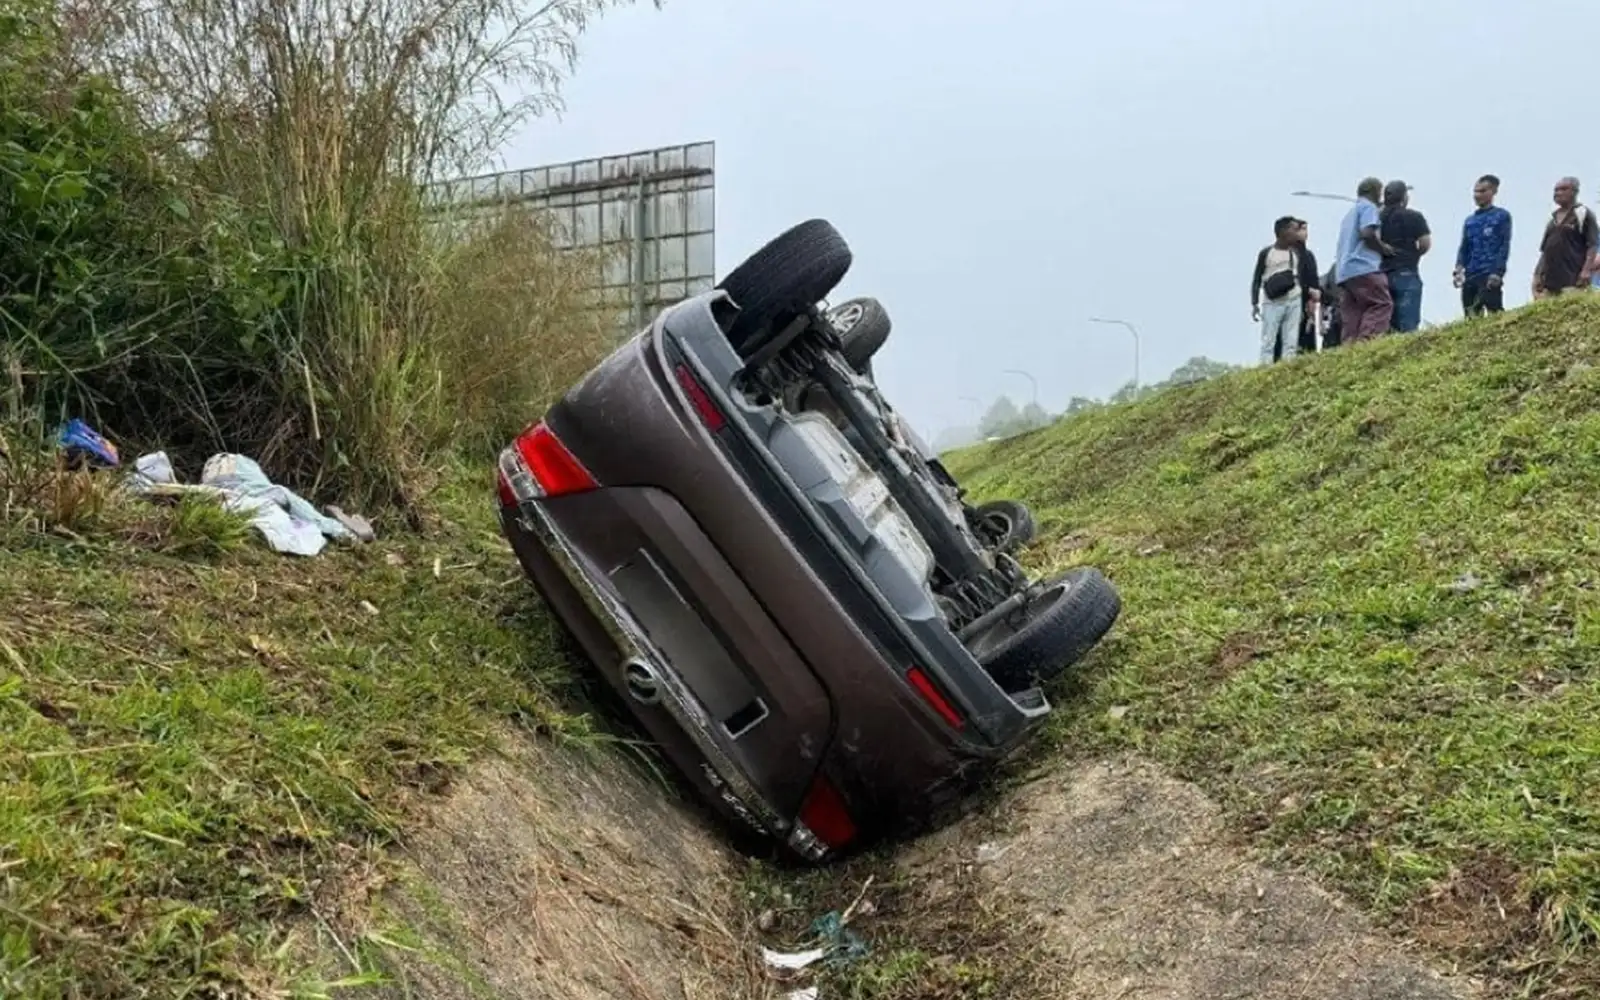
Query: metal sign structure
651	214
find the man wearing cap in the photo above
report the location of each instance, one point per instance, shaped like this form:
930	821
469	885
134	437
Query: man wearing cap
1404	228
1365	304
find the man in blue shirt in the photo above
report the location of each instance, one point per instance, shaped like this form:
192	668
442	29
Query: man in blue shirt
1365	305
1485	249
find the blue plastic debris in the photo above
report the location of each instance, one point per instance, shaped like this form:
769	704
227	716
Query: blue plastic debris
80	441
842	944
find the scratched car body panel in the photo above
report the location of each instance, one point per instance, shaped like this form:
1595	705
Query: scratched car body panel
769	594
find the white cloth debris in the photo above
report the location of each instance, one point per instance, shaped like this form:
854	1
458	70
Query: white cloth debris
792	961
287	521
809	993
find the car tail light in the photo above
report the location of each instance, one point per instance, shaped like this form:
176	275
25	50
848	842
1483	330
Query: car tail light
825	815
508	496
931	694
703	404
557	471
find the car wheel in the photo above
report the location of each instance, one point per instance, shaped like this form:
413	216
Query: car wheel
863	326
1005	525
783	279
1056	628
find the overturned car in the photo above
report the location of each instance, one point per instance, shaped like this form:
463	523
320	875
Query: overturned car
781	581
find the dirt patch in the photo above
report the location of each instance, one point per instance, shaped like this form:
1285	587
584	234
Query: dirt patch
1130	881
1236	652
550	874
1482	909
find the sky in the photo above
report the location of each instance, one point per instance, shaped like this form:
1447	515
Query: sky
1003	171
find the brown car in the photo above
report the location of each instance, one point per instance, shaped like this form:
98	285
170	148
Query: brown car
781	581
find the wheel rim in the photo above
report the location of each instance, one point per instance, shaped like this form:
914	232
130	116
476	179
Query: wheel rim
847	316
1002	630
998	525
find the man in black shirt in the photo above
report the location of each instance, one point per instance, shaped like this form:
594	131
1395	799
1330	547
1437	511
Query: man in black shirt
1311	308
1404	228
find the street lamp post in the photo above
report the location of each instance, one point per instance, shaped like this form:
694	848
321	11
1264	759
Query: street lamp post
1320	194
1031	381
1131	329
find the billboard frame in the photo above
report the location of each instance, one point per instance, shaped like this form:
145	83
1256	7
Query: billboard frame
646	182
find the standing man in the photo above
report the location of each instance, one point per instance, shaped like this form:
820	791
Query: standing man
1310	290
1332	321
1279	277
1404	228
1485	249
1571	239
1364	301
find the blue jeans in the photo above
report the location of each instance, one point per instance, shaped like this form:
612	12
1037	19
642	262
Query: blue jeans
1406	289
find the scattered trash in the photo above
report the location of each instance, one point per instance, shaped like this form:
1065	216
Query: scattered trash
394	559
369	608
842	945
988	854
839	944
1150	550
792	961
286	520
1117	712
357	525
83	443
1466	583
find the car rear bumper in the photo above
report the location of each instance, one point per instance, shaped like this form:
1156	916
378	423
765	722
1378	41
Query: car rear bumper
542	547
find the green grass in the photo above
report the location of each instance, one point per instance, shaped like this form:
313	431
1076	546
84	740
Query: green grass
1362	608
199	734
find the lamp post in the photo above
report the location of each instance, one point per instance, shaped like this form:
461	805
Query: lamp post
1031	381
1320	194
1131	329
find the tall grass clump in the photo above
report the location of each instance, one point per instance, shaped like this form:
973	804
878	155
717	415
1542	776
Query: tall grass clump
214	234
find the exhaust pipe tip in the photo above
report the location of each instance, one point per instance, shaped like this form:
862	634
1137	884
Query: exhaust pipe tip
642	683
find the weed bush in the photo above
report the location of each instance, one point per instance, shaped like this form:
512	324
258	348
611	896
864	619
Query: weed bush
212	235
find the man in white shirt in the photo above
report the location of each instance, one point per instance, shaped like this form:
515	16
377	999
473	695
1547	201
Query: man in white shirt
1277	290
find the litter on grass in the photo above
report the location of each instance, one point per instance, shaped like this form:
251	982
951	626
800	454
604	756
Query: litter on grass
287	521
792	961
83	443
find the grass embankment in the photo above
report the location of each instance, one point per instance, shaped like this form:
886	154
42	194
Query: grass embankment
1363	610
198	733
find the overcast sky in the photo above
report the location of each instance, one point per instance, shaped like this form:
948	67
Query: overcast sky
1004	170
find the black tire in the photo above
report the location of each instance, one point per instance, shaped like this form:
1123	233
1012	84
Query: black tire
783	279
1005	525
863	326
1057	628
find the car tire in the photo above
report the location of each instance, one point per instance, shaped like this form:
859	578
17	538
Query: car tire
1006	525
863	326
1062	622
783	279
